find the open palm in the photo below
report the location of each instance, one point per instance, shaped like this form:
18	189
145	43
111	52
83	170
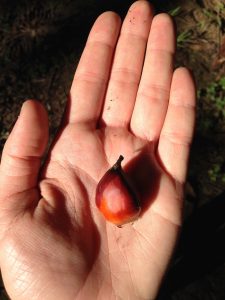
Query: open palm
125	99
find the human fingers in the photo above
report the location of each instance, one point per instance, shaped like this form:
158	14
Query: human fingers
21	157
91	77
127	65
153	92
178	128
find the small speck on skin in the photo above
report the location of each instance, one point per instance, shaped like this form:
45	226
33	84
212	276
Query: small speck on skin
108	108
132	20
111	100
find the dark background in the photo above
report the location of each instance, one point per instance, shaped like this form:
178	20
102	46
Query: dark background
40	45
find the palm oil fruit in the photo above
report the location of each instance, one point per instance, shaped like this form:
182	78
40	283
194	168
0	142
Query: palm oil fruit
116	198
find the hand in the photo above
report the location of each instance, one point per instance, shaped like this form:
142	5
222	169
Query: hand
54	243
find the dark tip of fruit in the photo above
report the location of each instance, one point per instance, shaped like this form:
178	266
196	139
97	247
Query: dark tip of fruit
117	165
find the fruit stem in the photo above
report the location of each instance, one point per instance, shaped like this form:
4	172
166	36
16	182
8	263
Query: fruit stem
118	163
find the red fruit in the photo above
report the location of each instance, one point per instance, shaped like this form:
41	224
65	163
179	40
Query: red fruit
115	197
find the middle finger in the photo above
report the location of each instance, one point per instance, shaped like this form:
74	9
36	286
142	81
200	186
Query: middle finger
127	66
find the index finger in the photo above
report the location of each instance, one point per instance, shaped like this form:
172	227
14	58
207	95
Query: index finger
92	73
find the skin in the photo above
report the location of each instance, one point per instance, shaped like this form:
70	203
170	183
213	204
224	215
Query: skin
54	243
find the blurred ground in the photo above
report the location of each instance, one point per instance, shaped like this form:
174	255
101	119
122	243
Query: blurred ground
40	45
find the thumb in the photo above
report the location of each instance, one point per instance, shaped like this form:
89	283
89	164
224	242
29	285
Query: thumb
21	157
